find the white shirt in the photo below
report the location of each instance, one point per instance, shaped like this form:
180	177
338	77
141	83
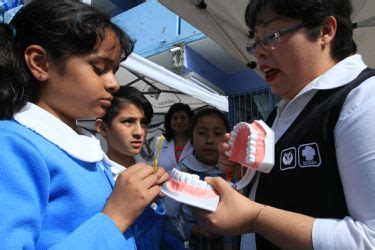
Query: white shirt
355	152
167	158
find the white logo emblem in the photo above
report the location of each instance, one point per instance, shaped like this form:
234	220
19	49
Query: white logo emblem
308	155
288	158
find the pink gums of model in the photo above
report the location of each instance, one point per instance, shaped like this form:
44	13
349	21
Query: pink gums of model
188	189
252	145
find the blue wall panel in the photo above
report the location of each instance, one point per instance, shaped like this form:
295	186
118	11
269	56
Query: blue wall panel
155	28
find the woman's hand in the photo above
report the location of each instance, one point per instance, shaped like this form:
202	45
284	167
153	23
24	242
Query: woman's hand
224	163
135	188
234	214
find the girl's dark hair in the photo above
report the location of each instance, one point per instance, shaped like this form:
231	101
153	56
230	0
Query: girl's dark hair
207	112
177	107
125	95
313	13
63	28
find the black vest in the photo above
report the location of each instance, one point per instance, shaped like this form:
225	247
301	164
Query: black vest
305	177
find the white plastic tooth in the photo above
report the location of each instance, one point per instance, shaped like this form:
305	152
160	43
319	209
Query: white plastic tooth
193	182
253	136
252	149
250	159
195	177
186	178
174	173
209	187
252	143
181	176
201	184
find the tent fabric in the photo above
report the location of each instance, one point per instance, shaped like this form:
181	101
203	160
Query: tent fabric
144	67
223	21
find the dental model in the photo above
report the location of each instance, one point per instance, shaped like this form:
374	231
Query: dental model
252	145
189	189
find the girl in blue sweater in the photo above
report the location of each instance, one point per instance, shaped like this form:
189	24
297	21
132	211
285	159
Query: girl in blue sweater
57	64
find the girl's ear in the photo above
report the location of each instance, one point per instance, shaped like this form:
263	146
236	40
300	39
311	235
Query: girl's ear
36	60
101	127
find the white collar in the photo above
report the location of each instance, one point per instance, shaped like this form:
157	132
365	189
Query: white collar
116	168
191	162
81	147
340	74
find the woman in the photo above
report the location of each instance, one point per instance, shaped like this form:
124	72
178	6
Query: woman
320	192
177	145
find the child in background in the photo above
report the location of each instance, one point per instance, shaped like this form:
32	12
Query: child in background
124	127
57	64
207	130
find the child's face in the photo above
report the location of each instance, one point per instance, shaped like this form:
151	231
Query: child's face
180	122
83	88
207	134
128	131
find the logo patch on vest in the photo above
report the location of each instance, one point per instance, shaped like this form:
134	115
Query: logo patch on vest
309	155
288	158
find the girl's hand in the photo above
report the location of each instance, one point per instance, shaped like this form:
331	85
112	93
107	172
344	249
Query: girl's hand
135	188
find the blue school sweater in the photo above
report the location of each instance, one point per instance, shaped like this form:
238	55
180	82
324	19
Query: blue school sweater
50	197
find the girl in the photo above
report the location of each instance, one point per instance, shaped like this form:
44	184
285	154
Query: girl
207	130
124	127
57	64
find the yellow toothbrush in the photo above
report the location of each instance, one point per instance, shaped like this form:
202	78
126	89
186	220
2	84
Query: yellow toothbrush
155	163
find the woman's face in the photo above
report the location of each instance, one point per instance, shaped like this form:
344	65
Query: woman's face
83	88
127	132
207	134
289	65
180	122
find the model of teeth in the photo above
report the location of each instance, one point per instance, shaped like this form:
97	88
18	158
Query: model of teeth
189	189
253	146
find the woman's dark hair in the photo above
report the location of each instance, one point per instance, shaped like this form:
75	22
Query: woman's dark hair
207	112
63	28
177	107
313	13
125	95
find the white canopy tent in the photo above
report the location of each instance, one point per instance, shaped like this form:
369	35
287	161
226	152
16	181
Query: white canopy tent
224	22
161	76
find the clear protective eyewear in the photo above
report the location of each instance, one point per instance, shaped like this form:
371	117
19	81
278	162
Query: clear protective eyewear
271	40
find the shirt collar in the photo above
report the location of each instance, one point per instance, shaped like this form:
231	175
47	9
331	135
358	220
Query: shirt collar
340	74
82	147
191	162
